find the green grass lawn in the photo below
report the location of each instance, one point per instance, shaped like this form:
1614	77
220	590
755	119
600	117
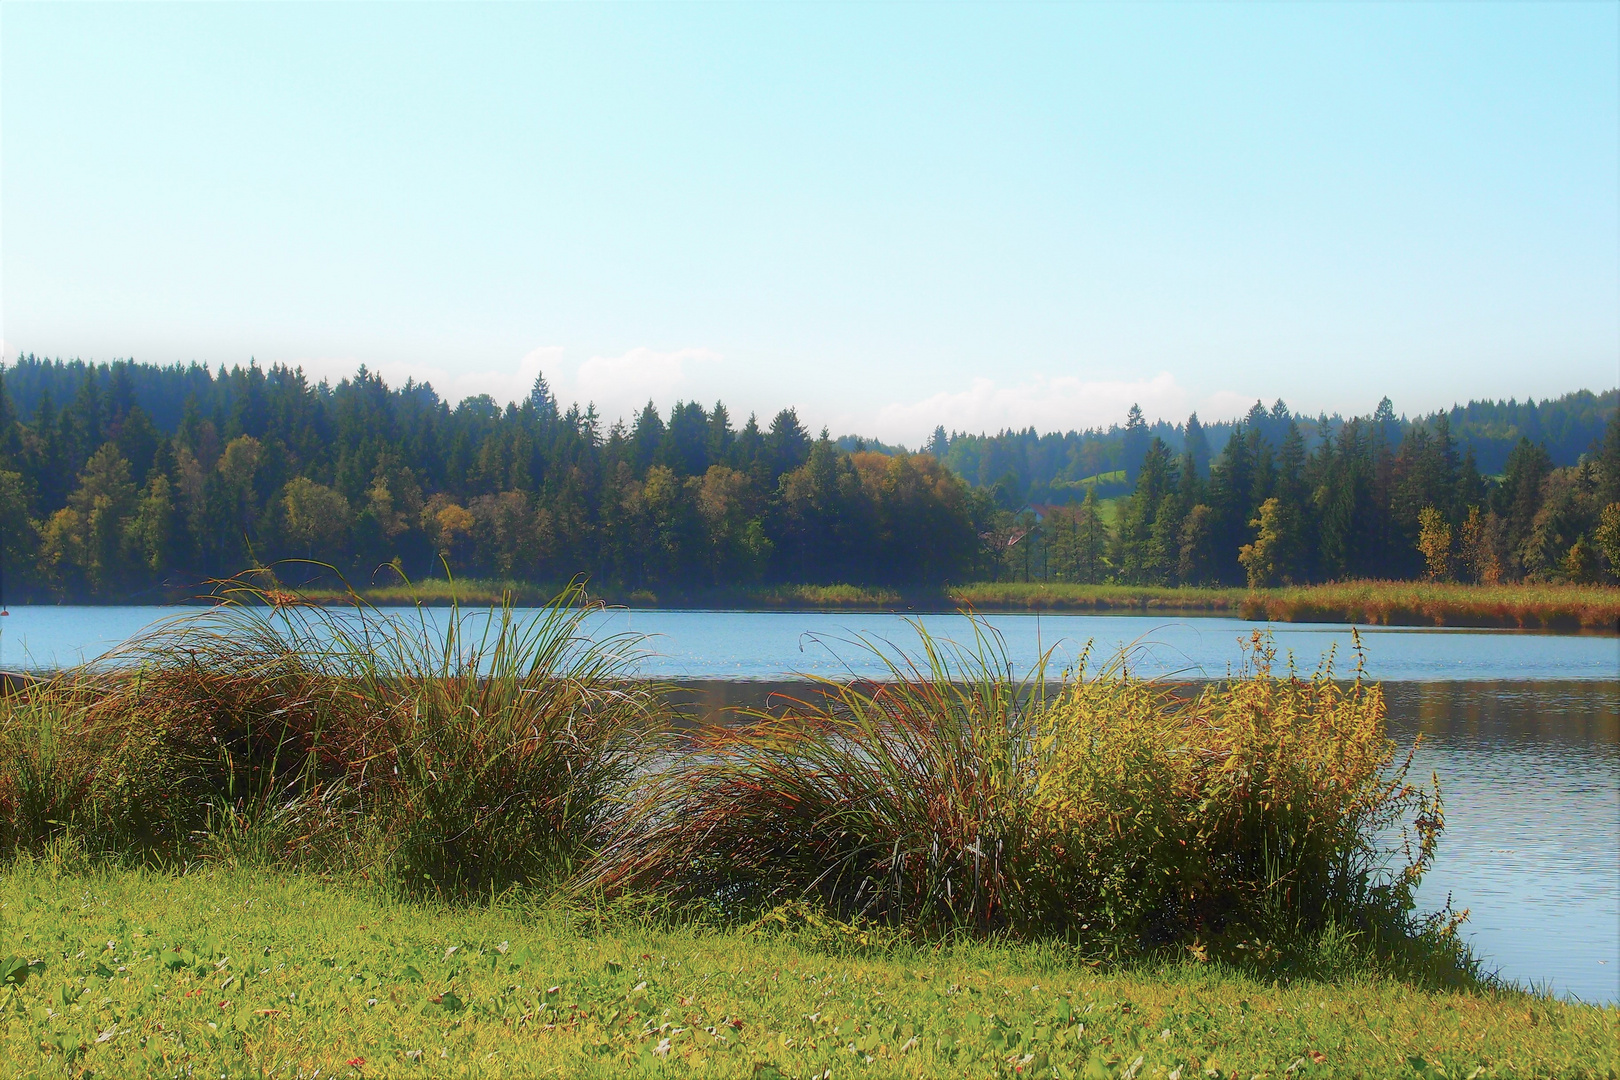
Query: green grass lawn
245	972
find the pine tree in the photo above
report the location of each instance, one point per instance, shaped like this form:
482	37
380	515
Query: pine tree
1135	444
542	401
1139	559
1231	483
1196	445
1609	458
1091	540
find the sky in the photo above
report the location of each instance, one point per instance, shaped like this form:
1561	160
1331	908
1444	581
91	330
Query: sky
887	216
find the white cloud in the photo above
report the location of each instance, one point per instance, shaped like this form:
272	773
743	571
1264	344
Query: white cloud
1224	405
619	385
1049	404
452	384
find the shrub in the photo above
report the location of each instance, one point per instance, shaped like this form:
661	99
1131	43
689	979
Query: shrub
1262	804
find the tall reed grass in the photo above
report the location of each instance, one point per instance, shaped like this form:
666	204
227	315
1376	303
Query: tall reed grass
903	800
1534	606
460	758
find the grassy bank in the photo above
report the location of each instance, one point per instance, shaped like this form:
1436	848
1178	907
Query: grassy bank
1368	603
238	971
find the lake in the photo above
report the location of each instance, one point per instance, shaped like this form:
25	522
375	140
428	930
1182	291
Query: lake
1523	728
766	645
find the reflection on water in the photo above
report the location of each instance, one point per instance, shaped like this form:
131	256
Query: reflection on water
1530	773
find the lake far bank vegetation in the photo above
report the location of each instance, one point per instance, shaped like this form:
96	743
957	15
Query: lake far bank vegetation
1523	606
344	788
130	482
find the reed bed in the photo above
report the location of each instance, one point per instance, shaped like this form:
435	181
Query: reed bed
438	592
1534	606
1419	603
1068	596
434	592
459	758
1374	603
499	750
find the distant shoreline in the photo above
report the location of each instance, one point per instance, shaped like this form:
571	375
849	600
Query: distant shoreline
1590	608
1373	603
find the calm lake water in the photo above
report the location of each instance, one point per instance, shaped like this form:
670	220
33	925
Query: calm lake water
767	645
1524	730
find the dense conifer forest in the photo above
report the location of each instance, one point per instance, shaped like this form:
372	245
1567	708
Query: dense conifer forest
138	482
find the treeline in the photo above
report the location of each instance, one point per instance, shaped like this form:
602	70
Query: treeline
134	481
146	480
1377	499
1029	467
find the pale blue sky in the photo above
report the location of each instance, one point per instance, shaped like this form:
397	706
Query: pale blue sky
889	216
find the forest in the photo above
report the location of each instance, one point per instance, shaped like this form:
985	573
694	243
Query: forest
139	482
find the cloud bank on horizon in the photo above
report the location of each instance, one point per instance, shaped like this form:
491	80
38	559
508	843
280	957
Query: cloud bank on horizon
620	386
1063	403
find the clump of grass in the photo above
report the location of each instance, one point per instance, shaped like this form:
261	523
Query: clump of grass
48	769
1116	813
905	801
209	727
516	738
469	757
